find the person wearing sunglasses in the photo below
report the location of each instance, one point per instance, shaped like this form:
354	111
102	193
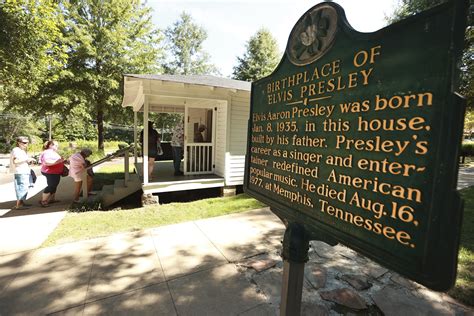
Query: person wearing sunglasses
19	165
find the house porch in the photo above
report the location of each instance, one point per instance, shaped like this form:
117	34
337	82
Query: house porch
163	179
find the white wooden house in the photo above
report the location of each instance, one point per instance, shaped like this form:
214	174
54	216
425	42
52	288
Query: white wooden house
221	104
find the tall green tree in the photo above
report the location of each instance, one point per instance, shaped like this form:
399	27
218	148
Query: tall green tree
106	39
32	49
260	59
185	42
67	58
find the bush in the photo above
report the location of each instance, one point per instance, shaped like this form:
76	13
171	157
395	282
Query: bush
118	134
66	149
467	149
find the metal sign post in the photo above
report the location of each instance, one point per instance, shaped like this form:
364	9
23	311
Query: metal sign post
295	255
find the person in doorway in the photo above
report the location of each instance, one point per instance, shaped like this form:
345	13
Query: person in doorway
77	166
198	137
19	165
177	143
154	141
52	166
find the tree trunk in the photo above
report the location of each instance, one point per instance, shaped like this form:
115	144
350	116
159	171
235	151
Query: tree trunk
100	128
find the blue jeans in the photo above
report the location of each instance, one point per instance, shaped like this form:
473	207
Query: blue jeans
177	154
22	181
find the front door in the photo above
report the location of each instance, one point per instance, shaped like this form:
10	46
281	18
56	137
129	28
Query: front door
199	140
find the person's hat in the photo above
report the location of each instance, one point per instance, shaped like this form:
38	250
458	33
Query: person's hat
22	139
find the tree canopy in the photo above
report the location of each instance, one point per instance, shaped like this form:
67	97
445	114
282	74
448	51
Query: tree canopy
32	49
410	7
185	42
107	39
260	59
78	51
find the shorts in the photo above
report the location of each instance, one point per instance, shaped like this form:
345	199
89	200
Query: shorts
152	154
76	176
22	182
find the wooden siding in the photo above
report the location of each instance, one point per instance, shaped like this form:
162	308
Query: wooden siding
235	159
221	131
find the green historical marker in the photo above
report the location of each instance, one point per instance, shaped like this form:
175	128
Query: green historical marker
354	138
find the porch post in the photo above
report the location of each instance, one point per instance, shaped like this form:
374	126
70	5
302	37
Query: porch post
135	136
126	166
145	141
85	194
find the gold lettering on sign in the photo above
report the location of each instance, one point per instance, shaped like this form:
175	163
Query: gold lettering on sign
349	161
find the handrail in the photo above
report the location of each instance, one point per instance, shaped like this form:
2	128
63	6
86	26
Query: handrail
110	156
122	151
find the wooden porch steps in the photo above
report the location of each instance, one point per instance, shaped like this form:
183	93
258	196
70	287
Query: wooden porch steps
119	190
109	194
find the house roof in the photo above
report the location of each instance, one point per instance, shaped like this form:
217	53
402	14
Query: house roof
198	80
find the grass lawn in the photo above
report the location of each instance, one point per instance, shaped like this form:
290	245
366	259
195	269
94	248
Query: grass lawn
464	288
78	226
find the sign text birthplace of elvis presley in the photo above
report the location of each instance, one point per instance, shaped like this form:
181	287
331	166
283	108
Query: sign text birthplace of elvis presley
355	138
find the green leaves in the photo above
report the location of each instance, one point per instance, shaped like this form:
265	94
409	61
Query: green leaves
260	59
410	7
68	57
185	42
31	48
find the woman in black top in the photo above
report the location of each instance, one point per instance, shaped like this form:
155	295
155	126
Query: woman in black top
154	140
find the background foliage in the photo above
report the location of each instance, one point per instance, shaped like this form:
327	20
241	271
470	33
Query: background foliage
78	51
466	67
185	44
260	59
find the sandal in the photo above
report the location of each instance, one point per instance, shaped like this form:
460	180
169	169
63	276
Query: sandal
44	204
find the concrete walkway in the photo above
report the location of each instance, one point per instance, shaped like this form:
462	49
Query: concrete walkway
228	265
22	230
184	269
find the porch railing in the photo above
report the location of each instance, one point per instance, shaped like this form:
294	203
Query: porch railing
122	151
199	158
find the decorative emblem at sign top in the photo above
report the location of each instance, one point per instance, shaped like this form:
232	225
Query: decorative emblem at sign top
312	36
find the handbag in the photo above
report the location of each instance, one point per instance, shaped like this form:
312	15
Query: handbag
159	151
32	177
65	171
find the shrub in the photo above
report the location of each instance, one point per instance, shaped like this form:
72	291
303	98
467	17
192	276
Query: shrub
66	149
467	149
